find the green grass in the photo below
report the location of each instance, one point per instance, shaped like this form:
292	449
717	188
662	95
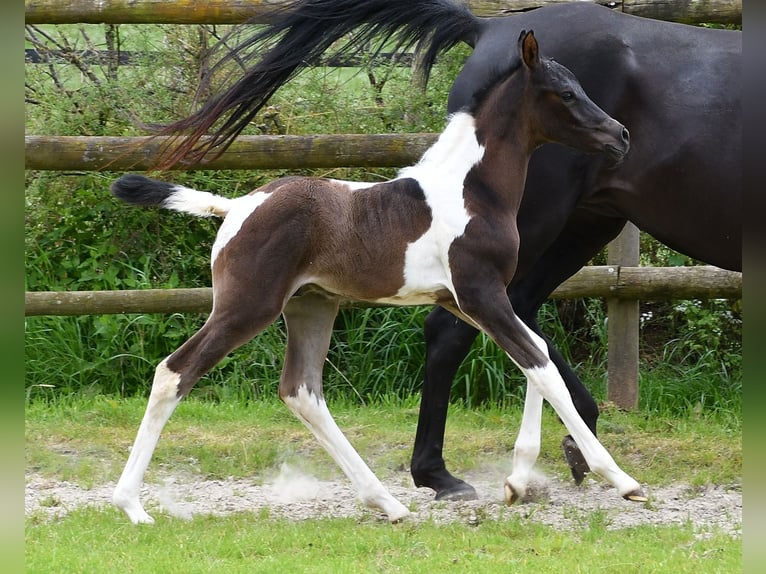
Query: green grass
92	541
85	439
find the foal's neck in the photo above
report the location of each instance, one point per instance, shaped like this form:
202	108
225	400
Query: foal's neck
481	165
453	154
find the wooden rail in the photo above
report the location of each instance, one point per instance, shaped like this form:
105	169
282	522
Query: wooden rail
237	11
624	283
61	153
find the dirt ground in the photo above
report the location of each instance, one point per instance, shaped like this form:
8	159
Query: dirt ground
291	493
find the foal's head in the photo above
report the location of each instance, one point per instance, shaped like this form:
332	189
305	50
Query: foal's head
552	105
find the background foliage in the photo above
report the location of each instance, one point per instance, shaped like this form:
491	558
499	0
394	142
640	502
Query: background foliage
79	238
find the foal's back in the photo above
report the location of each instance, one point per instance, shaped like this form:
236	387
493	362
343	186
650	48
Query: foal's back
347	238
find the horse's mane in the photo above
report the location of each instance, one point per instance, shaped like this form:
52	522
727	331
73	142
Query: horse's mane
494	77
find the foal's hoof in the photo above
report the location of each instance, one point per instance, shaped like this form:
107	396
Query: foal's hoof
511	495
575	459
636	496
458	491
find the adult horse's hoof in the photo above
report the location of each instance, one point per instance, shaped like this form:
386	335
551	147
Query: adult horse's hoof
635	496
459	491
575	459
446	486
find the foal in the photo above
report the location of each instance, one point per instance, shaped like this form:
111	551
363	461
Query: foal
443	232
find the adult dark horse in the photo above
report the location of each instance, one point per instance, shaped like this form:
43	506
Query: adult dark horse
676	87
443	232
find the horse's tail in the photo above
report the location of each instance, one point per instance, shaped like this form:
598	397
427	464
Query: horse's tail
303	30
140	190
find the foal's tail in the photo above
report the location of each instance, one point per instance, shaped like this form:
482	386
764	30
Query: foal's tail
140	190
300	31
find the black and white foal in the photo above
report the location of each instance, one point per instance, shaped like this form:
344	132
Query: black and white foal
443	232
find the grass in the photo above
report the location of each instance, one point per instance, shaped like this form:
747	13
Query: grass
85	440
95	541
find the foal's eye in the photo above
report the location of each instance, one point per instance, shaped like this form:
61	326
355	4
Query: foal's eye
567	96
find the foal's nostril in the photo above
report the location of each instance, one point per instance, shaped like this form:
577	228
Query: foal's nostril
625	135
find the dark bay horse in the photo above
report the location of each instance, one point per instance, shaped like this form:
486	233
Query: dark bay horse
676	87
442	232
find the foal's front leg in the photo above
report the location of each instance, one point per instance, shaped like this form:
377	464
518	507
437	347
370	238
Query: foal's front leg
309	320
489	308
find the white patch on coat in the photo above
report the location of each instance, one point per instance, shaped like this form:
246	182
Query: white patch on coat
241	208
354	185
441	173
195	202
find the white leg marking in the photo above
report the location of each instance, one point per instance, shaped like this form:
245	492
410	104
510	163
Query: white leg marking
313	412
527	446
162	402
549	384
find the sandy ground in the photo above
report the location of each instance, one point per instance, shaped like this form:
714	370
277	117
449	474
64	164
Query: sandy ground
293	494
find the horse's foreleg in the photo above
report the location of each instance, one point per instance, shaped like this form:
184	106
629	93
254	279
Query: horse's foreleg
309	320
527	446
448	340
492	311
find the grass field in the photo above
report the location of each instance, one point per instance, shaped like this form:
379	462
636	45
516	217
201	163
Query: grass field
85	441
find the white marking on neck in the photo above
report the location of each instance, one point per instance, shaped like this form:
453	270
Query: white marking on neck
441	173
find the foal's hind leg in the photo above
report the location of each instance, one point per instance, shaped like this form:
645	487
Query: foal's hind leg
309	320
173	379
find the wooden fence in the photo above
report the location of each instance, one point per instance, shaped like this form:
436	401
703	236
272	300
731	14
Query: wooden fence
622	282
236	11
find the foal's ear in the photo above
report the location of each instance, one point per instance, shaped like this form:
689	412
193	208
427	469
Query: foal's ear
528	50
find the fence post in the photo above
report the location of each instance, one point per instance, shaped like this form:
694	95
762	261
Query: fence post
622	327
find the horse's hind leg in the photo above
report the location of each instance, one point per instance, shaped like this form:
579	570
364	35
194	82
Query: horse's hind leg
173	379
309	320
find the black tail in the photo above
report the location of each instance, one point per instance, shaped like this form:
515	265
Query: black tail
303	31
140	190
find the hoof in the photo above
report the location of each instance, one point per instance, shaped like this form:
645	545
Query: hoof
575	459
458	491
132	507
510	495
636	496
398	516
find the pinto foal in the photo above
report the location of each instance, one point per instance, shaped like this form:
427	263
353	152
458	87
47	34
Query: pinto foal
443	232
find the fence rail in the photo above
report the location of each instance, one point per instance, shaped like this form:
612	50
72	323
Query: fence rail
92	153
237	11
646	283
